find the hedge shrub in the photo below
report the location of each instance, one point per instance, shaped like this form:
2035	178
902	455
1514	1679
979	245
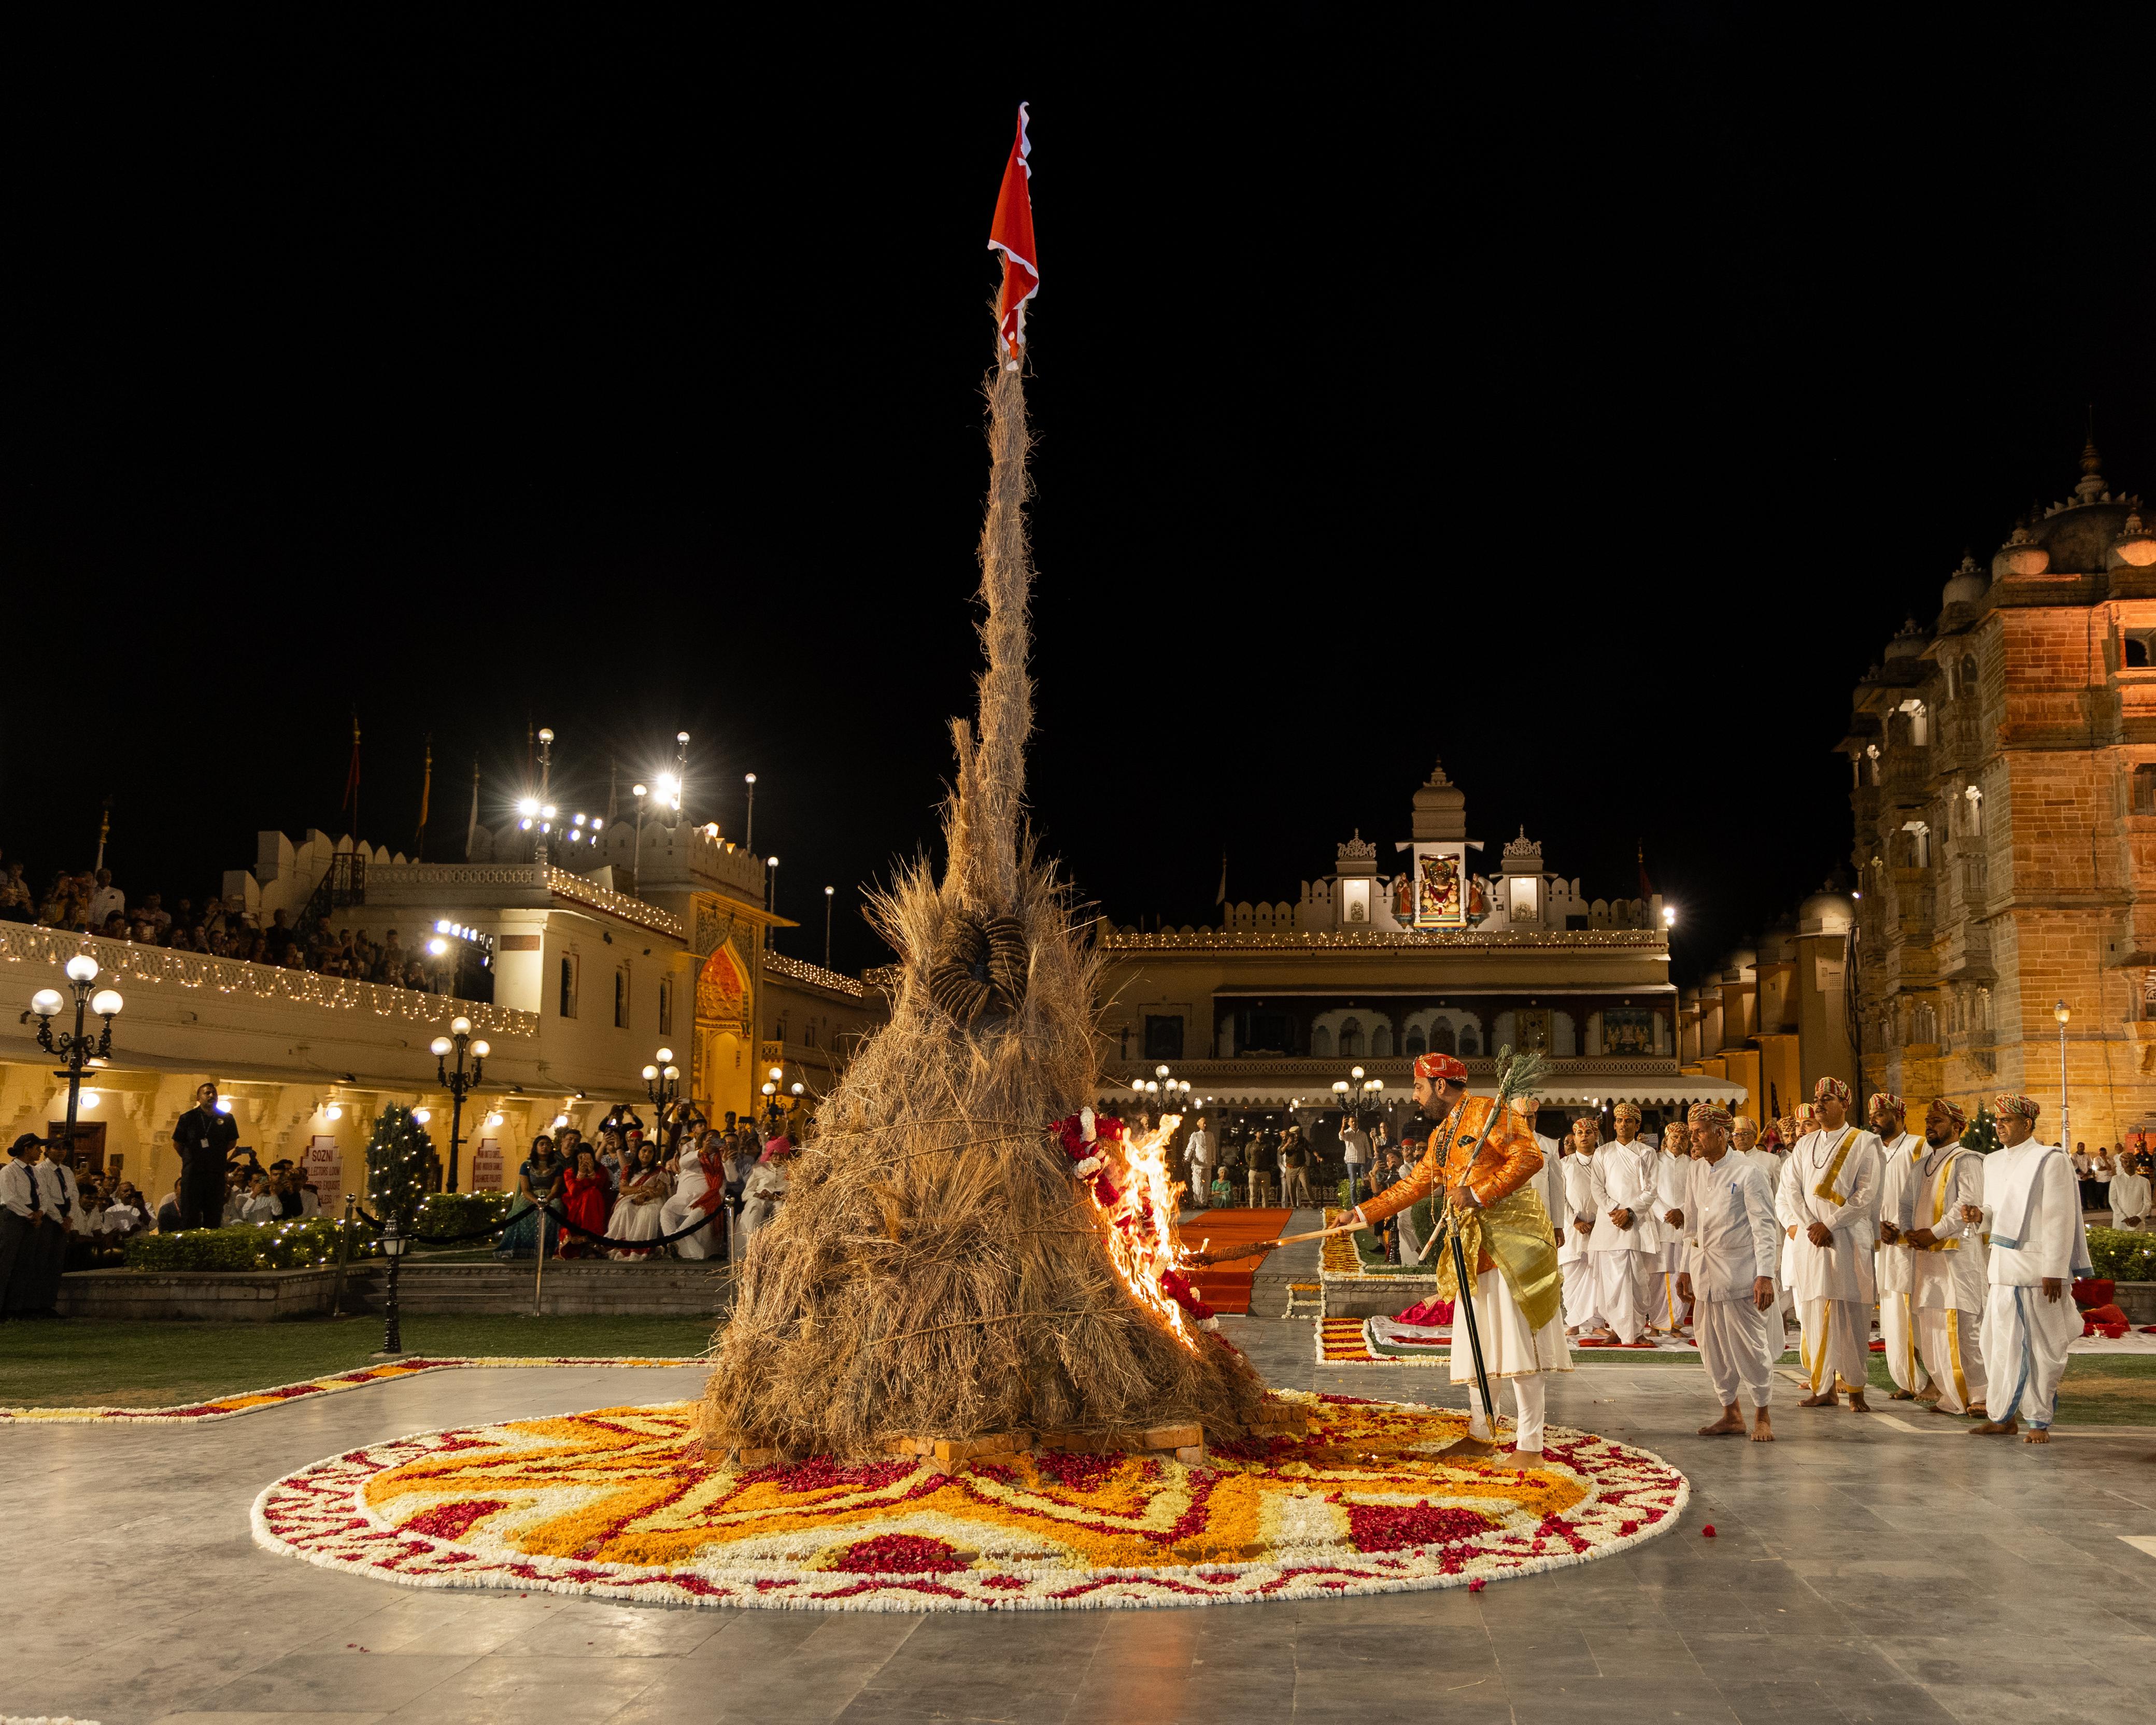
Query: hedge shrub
2123	1255
268	1245
444	1213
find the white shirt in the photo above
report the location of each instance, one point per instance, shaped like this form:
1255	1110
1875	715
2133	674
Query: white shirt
1842	1271
1954	1277
1576	1172
2130	1195
1355	1146
1730	1238
104	903
1897	1196
1673	1181
2036	1229
1198	1147
1622	1178
261	1207
56	1187
16	1183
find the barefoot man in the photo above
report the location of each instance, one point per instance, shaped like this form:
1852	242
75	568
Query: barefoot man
1898	1151
1949	1274
1731	1243
1517	1293
1828	1207
2039	1243
1577	1220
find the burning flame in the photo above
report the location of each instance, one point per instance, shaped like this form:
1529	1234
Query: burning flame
1141	1225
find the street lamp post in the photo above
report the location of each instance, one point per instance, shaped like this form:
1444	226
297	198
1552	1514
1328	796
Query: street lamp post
78	1047
829	893
636	864
460	1083
771	884
748	829
662	1083
546	807
777	1077
392	1247
2066	1119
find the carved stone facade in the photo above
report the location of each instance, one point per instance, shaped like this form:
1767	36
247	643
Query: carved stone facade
2004	789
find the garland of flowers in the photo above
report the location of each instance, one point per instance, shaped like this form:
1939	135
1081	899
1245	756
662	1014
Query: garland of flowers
231	1407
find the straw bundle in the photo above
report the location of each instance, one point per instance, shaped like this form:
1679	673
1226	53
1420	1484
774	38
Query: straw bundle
935	1270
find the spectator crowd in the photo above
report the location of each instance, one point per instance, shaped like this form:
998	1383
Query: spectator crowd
89	903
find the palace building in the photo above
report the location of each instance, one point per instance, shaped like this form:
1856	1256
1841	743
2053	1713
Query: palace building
1282	1001
575	964
2003	782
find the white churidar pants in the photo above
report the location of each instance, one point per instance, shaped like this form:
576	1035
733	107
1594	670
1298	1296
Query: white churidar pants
2025	1340
1899	1333
1732	1347
1951	1345
1836	1342
1509	1349
1619	1285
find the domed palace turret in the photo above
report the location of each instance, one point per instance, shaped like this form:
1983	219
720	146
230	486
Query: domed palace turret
2002	786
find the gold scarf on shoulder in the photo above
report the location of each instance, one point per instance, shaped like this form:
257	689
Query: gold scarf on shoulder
1825	1188
1516	1232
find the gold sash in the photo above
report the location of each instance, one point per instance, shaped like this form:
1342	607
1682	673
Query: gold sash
1940	1205
1516	1232
1825	1186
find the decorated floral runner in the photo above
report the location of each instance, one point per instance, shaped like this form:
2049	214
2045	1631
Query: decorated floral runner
622	1502
230	1407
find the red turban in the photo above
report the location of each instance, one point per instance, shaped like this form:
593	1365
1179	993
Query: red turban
1440	1066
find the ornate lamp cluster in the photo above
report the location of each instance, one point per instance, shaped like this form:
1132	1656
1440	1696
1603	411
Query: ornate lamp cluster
460	1083
79	1048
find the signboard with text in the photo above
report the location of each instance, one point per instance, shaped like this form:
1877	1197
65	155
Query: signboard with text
486	1165
325	1167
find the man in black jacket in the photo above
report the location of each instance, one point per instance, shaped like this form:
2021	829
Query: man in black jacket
204	1137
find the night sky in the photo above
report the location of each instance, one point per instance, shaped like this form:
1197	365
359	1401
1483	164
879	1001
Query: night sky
1590	420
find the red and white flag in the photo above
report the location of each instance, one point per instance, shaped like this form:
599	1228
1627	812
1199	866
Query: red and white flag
1011	233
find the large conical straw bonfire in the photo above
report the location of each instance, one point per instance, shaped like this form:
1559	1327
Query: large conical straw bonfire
946	1264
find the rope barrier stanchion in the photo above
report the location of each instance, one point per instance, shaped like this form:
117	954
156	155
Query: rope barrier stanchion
539	1275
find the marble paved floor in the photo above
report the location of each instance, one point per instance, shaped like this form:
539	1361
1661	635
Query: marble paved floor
1861	1571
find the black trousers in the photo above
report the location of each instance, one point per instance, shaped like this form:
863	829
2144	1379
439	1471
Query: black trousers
18	1255
202	1197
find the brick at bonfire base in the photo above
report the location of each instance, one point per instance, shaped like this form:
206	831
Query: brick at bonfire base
948	1450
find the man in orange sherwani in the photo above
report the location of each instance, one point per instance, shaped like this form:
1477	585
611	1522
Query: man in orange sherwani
1518	1289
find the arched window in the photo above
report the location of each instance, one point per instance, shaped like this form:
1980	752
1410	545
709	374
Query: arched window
1968	673
1321	1043
1415	1046
1381	1043
1351	1039
1470	1044
1440	1038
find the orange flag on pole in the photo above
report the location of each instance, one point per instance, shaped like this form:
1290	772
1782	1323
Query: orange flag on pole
1011	233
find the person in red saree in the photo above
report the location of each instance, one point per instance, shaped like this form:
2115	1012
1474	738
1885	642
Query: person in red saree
584	1195
1518	1291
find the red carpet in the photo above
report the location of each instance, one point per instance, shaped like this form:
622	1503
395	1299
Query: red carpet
1226	1287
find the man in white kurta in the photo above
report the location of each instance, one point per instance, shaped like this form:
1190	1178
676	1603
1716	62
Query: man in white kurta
1829	1210
1627	1241
1198	1154
1575	1219
2130	1195
1744	1142
1948	1262
1732	1241
1898	1151
1665	1306
2039	1243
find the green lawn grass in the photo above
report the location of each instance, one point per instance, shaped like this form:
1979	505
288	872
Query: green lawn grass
112	1363
2099	1389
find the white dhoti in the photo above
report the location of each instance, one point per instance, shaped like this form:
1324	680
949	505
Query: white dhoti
1733	1337
1509	1349
678	1212
1950	1345
1836	1342
2025	1340
1664	1305
1619	1284
1579	1307
1899	1333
